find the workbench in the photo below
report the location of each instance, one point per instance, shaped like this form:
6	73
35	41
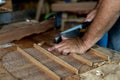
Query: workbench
108	71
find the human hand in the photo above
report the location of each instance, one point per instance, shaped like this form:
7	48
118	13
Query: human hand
91	15
67	46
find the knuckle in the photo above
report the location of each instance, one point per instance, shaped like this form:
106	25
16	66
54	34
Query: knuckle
66	52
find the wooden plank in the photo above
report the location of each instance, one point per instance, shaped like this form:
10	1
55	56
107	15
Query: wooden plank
38	64
100	54
27	74
56	59
105	72
19	30
74	7
7	6
74	20
82	59
39	9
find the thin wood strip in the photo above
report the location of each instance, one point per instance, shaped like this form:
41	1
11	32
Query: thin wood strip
100	54
76	20
56	59
38	64
39	9
74	7
83	60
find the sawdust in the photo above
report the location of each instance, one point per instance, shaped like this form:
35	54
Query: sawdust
106	72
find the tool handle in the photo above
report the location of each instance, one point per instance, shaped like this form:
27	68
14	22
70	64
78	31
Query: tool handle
85	24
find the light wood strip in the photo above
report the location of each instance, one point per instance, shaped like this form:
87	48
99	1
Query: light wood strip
38	64
74	20
39	9
56	59
74	7
100	54
83	60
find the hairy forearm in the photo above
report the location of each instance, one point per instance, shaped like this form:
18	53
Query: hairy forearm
107	14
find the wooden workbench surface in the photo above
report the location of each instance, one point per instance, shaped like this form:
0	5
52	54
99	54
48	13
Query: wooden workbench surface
24	43
27	42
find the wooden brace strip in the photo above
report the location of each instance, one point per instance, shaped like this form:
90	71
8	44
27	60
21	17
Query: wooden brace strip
39	9
73	7
100	54
38	64
56	59
79	58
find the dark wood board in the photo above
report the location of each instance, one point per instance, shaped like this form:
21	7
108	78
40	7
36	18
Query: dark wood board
16	31
74	7
20	67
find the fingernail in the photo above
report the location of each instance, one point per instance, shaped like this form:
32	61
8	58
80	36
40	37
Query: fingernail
49	49
65	52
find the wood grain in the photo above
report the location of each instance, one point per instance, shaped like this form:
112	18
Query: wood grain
38	64
23	69
74	7
8	5
82	59
19	30
39	9
56	59
100	54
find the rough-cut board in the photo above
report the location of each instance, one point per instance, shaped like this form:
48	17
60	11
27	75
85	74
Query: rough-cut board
38	64
81	59
19	30
39	9
109	70
100	50
74	7
106	72
21	68
56	67
8	5
56	59
100	54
